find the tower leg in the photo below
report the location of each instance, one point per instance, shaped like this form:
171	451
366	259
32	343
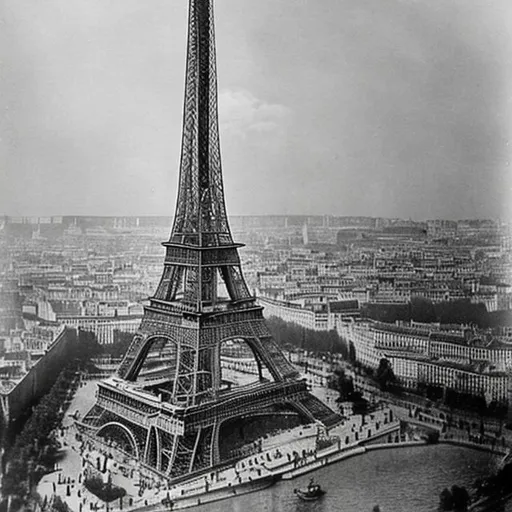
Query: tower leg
172	454
215	453
194	451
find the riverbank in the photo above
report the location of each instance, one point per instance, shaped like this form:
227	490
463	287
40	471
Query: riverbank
347	485
259	471
284	456
475	446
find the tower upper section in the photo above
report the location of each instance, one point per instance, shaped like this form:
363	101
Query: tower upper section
200	218
202	266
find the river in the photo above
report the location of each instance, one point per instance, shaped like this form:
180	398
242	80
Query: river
398	480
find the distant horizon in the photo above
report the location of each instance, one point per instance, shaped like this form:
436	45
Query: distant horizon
322	215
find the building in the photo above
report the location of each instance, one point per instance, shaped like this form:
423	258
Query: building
420	354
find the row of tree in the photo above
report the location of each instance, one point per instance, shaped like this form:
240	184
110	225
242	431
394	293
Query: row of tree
290	335
456	499
457	400
35	448
420	309
385	378
118	348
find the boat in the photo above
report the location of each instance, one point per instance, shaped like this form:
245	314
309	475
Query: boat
312	492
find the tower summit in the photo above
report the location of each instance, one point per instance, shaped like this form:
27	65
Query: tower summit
170	408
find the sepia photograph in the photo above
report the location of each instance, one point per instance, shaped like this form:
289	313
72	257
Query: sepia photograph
255	256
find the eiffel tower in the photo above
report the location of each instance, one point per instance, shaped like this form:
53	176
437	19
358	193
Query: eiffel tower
169	407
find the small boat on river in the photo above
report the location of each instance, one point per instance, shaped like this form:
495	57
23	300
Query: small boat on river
311	492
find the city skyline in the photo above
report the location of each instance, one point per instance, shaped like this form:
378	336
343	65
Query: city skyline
59	218
395	110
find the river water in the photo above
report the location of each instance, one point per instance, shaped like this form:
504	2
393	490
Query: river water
398	480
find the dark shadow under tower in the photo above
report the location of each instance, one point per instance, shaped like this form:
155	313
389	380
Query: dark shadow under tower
168	406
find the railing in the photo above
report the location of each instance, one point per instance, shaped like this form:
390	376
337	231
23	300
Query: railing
167	424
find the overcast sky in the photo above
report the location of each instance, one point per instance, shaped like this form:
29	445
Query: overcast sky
396	108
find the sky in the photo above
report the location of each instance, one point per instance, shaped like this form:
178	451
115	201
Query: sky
393	108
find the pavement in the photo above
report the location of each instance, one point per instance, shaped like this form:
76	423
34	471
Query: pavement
66	479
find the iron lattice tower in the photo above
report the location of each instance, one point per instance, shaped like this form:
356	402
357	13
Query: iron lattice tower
168	406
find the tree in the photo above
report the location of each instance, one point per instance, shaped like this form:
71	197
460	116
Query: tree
105	491
122	341
384	375
456	499
432	437
343	384
352	356
460	498
360	404
422	310
498	409
446	500
59	506
87	347
434	392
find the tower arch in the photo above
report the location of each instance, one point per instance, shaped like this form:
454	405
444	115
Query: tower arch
121	435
